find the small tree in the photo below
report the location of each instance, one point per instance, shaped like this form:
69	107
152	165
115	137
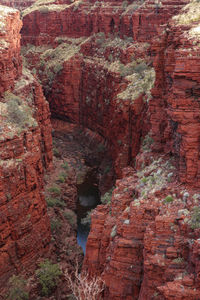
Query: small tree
48	276
17	290
83	286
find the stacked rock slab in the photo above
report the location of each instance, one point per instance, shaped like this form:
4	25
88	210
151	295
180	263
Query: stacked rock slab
175	106
25	150
142	245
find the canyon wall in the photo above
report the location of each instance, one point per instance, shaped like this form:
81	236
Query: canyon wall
17	4
145	244
175	106
151	250
88	80
97	63
25	150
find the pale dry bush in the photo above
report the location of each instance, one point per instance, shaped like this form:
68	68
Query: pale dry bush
83	286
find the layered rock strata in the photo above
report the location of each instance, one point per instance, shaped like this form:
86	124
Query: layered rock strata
87	81
145	244
142	244
44	21
101	82
25	150
10	58
175	106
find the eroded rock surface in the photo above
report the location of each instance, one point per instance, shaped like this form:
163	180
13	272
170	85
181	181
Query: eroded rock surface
98	62
25	150
142	243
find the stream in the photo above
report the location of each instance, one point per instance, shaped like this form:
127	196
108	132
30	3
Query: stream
88	199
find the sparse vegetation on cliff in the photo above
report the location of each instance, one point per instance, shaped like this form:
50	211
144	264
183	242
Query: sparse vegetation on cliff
84	286
48	275
195	218
45	6
140	81
17	288
106	198
189	14
18	113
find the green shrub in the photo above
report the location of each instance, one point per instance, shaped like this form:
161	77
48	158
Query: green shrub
57	68
178	260
48	275
18	112
17	287
15	114
124	4
56	152
195	218
147	142
168	199
144	180
51	202
65	166
62	177
54	190
70	216
55	225
106	198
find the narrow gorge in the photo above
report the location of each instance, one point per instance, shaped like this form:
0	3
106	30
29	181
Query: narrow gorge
100	135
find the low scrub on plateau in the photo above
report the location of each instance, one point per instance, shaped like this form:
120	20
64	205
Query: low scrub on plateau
19	114
189	14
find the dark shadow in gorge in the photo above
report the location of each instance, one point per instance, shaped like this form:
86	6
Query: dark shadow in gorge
89	169
88	199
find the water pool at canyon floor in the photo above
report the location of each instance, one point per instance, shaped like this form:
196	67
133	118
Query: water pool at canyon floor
88	199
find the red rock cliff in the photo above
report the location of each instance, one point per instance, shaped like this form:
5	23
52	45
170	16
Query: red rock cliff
25	150
146	243
142	243
89	85
175	106
151	250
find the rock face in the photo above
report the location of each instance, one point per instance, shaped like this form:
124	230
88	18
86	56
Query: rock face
89	90
101	82
138	19
10	58
142	243
25	150
97	70
19	4
175	107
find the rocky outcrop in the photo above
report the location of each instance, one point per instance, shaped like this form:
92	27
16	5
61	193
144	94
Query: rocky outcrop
88	81
25	150
18	4
142	244
175	107
141	20
88	90
145	244
11	67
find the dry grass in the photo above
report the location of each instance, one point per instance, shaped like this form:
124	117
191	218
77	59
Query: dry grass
83	286
189	14
141	81
46	6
